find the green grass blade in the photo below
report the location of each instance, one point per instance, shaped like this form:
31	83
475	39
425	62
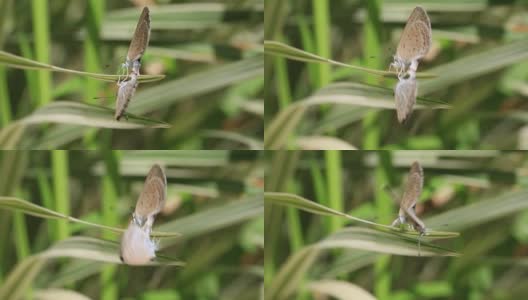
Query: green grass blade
171	92
283	50
481	212
287	280
317	142
316	208
475	65
11	203
58	294
354	94
20	62
368	239
341	290
250	143
217	218
74	113
95	250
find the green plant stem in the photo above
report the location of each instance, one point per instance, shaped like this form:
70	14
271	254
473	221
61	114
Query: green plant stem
61	190
335	187
322	36
372	59
46	195
109	206
382	286
92	61
42	48
5	104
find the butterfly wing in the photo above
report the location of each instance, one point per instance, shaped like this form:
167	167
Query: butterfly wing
419	14
124	94
413	190
416	38
413	187
405	95
152	198
141	37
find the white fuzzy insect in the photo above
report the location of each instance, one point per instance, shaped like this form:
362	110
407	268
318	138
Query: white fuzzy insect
405	94
136	246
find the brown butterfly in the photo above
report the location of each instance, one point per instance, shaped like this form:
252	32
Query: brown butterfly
152	198
136	246
405	94
415	41
411	194
126	90
137	47
139	41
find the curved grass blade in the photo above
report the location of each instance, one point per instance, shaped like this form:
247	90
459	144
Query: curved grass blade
96	250
20	62
163	95
322	143
341	290
16	284
368	239
279	130
217	218
58	294
475	65
283	50
356	94
29	208
288	278
179	16
482	211
313	207
74	113
251	143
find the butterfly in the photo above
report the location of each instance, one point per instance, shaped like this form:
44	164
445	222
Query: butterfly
415	42
411	194
138	45
136	245
405	94
139	41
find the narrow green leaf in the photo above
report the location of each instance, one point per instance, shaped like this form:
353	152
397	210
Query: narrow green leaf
213	219
11	203
322	143
283	50
74	113
20	62
341	290
355	94
316	208
96	250
58	294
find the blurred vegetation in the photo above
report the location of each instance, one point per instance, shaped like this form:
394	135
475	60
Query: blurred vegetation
316	253
209	52
479	58
214	202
